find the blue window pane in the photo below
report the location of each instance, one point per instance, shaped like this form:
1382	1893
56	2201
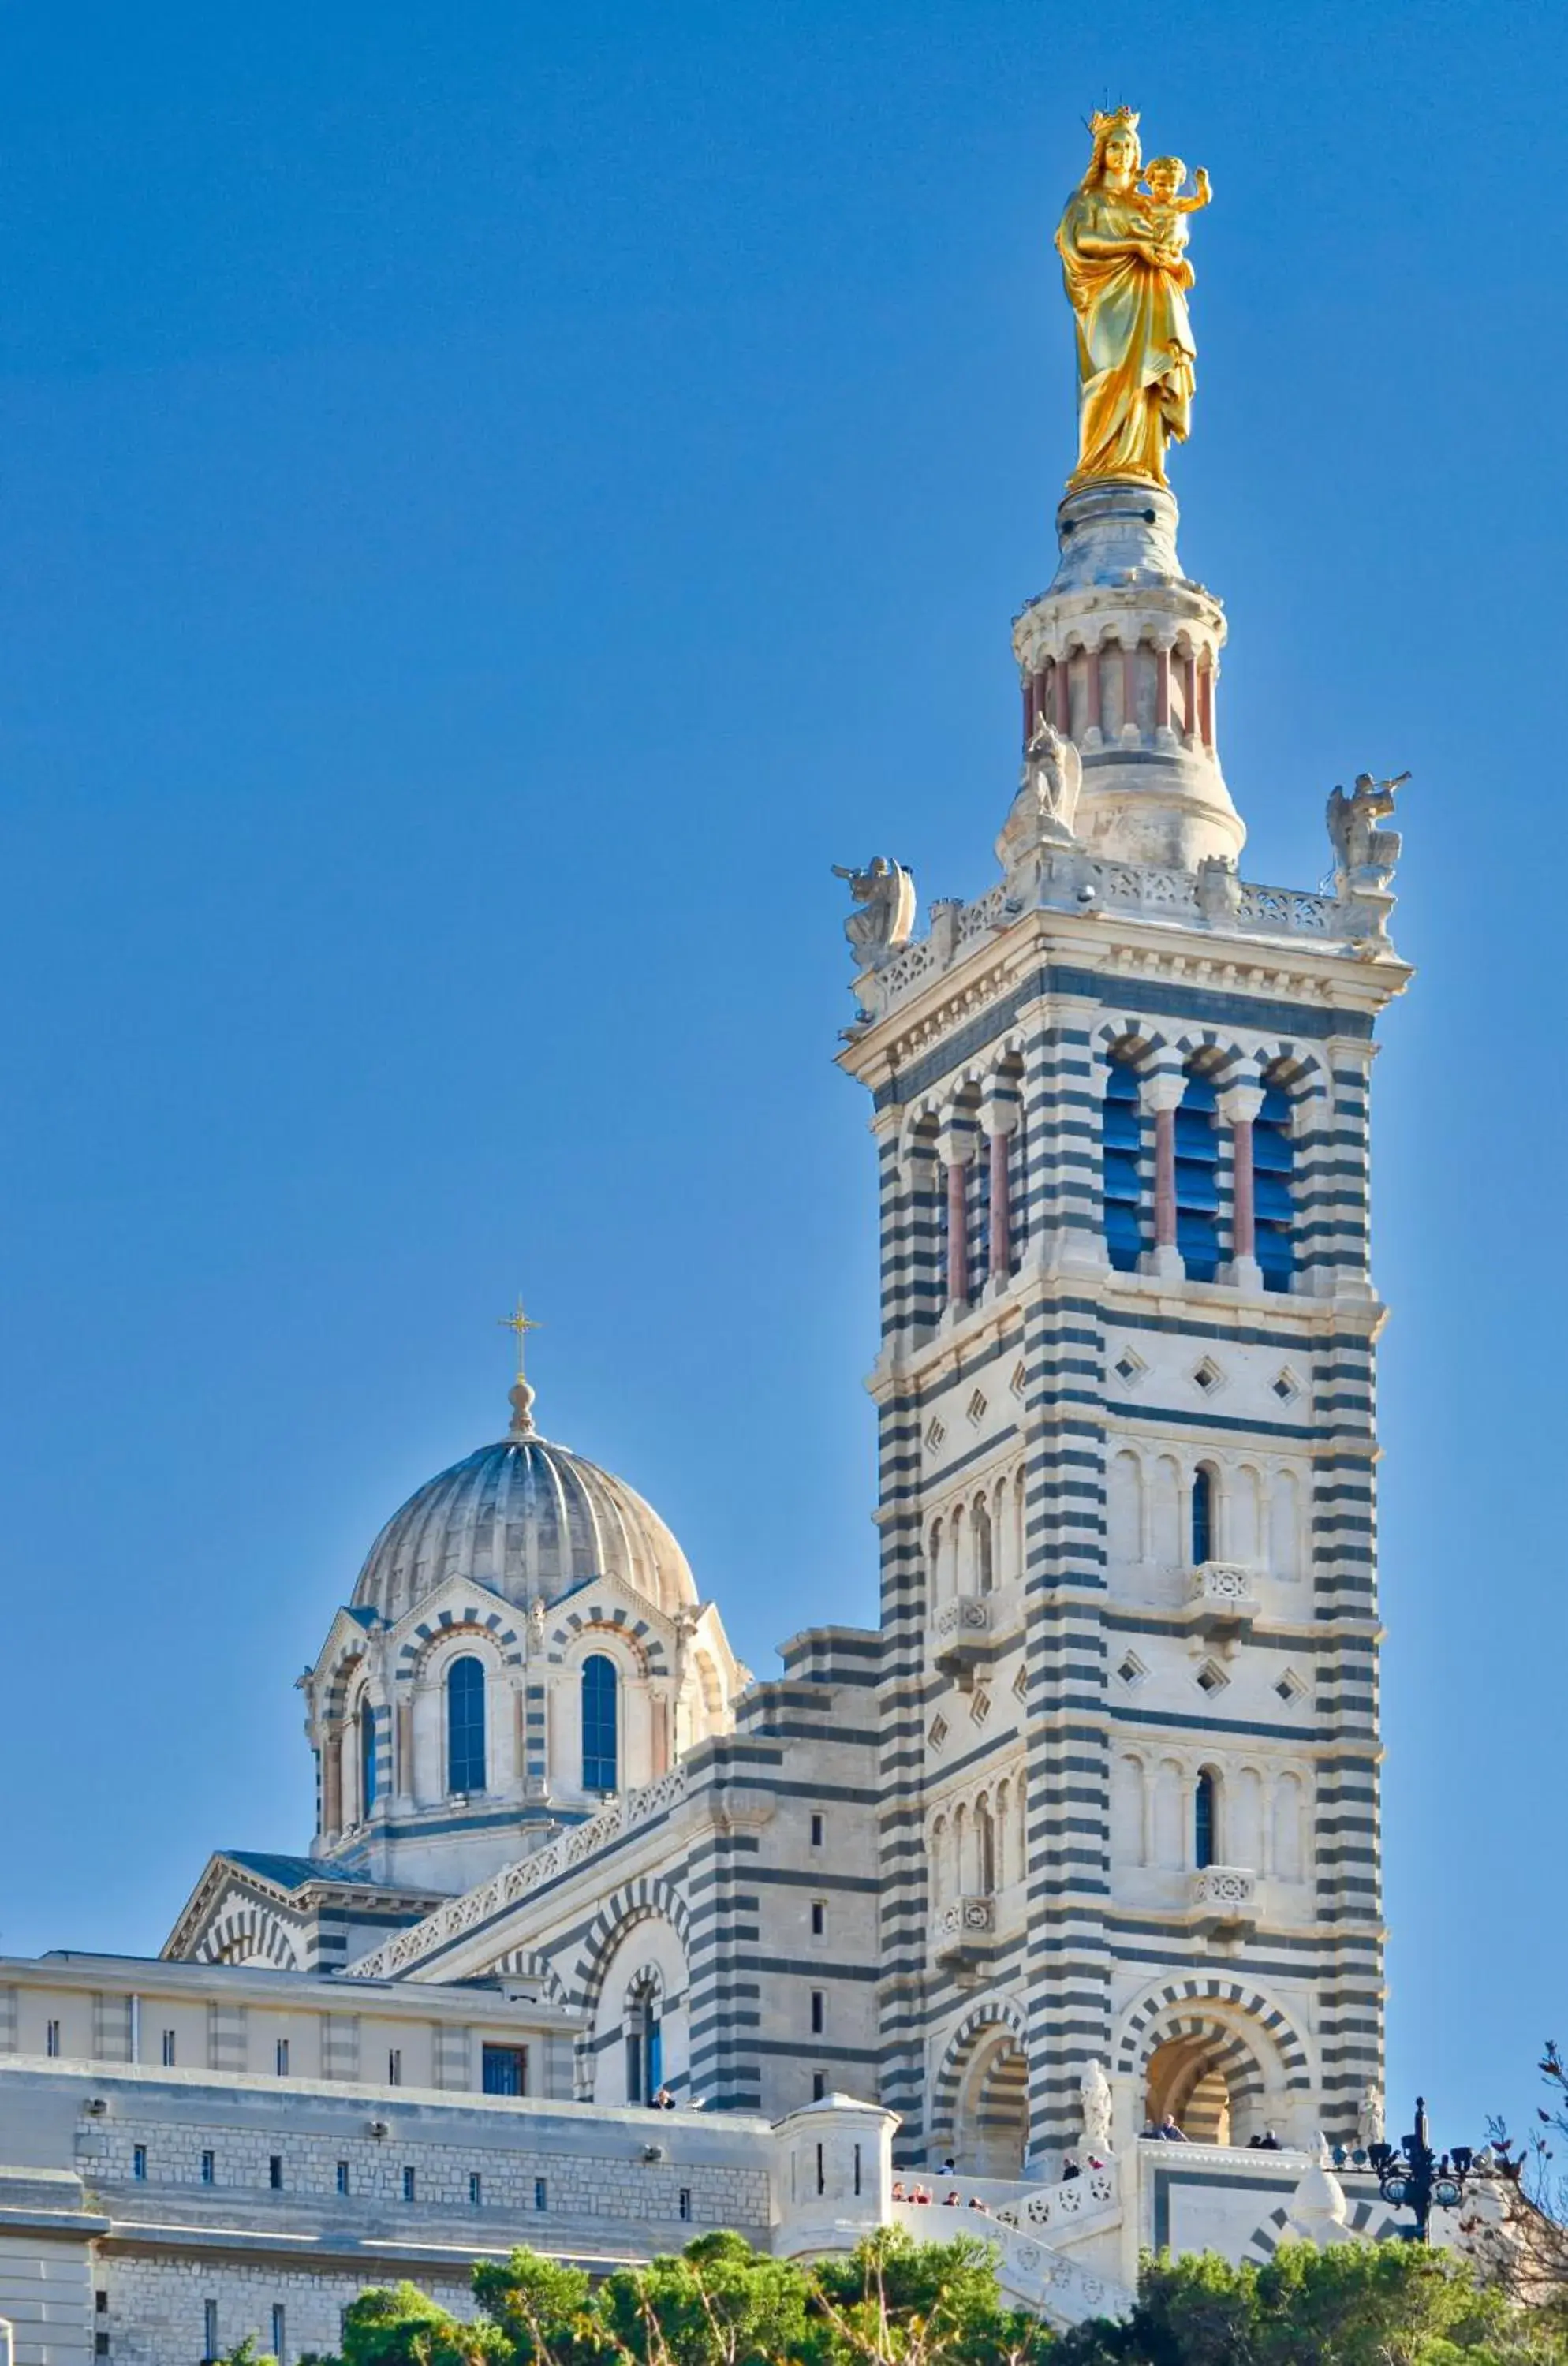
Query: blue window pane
1275	1109
1203	1518
599	1724
1122	1177
1123	1238
1272	1153
504	2070
1196	1186
1121	1083
1271	1199
466	1725
1195	1136
366	1758
1200	1094
1203	1823
1124	1127
1274	1256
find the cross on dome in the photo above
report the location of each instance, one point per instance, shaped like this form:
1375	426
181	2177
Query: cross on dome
522	1395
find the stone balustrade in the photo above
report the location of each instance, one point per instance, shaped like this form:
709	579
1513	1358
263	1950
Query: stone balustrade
1222	1594
516	1881
1225	1895
961	1634
961	1928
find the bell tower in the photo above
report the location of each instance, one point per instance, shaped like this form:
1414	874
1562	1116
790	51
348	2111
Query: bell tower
1125	1386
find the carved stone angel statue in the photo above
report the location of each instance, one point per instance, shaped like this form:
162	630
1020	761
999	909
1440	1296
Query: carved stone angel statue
1370	2116
1043	813
883	918
1094	2108
1364	855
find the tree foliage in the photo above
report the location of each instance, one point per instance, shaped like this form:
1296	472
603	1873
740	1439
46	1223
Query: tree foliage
894	2301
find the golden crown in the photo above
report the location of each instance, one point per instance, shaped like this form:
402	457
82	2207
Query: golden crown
1125	118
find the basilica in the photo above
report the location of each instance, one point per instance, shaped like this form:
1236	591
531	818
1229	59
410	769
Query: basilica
599	1939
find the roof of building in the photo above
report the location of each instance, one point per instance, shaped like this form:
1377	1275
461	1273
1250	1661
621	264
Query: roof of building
528	1520
292	1872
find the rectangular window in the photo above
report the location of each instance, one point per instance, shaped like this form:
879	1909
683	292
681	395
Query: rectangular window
283	2058
541	2194
52	2037
504	2070
168	2049
101	2302
275	2172
818	1826
476	2189
343	2177
819	2085
821	2179
208	2168
210	2328
395	2066
683	2201
819	1917
139	2162
100	2345
280	2333
857	2169
408	2185
819	2012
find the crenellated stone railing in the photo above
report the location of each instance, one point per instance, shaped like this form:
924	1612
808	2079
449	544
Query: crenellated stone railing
516	1881
1079	882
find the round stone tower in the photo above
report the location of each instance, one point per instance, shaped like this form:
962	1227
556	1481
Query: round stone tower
1121	656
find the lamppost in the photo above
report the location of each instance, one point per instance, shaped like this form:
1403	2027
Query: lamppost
1417	2178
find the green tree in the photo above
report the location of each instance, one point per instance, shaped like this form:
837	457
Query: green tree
1353	2305
401	2325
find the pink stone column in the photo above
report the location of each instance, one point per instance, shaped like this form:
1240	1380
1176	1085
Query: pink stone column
1162	687
1091	689
1129	685
1206	702
1063	696
1028	687
958	1231
1165	1178
1001	1212
1190	696
1244	1227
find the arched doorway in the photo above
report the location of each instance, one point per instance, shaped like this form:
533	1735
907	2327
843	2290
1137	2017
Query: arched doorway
990	2118
1186	2081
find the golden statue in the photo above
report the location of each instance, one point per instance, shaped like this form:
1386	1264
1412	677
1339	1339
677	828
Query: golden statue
1124	249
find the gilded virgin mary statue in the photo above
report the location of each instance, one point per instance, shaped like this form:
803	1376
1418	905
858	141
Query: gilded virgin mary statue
1123	241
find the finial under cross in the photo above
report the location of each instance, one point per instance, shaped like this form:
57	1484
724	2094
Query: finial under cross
519	1324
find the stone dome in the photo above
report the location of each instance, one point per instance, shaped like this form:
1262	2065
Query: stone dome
525	1519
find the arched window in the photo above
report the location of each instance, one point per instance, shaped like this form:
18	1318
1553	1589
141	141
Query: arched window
1273	1163
645	2037
600	1745
1197	1179
984	1851
366	1759
1121	1142
1206	1821
466	1724
984	1573
1202	1515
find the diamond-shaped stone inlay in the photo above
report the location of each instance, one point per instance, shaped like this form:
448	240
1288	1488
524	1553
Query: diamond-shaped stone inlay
1130	1670
976	1408
935	1433
1290	1687
1212	1678
1209	1377
1019	1381
938	1733
1286	1386
1129	1366
1020	1684
979	1704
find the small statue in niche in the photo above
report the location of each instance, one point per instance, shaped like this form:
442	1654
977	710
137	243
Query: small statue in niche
883	918
537	1625
1094	2108
1043	813
1364	856
1370	2116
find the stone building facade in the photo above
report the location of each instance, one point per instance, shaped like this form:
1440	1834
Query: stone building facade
1079	1836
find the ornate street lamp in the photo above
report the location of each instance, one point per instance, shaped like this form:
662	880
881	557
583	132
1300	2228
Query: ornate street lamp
1417	2178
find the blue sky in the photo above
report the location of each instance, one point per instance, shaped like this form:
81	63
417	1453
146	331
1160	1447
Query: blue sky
493	503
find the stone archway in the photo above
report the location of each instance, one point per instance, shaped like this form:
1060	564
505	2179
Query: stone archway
990	2109
1219	2057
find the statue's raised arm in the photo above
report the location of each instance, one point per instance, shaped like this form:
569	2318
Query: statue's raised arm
1126	276
883	918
